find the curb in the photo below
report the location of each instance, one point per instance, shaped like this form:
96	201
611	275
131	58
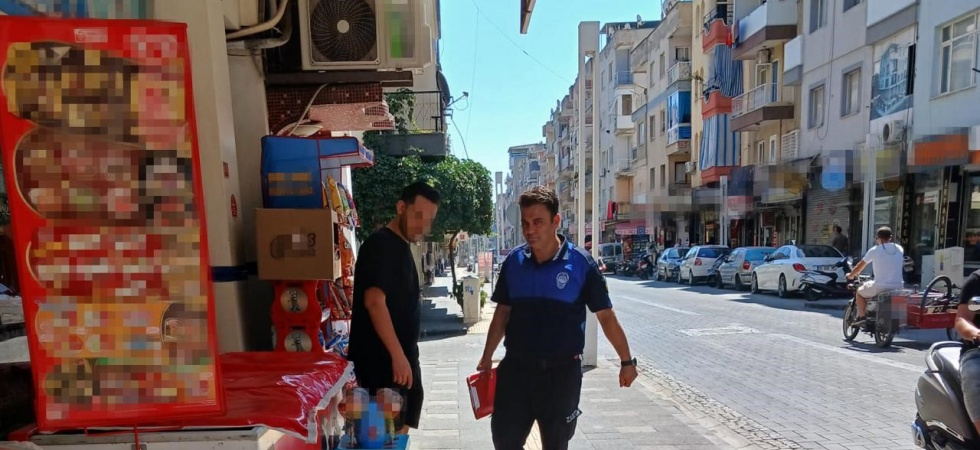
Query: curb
824	305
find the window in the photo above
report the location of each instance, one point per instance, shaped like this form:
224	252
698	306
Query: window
653	177
627	102
760	149
848	4
958	50
680	174
663	121
815	112
772	149
851	97
653	127
663	65
757	254
641	132
818	14
663	175
682	54
819	251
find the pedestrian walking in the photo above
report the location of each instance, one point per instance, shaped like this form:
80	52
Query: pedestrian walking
386	311
542	294
840	241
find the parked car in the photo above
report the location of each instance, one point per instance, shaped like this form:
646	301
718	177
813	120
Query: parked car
736	270
698	261
612	254
781	271
669	263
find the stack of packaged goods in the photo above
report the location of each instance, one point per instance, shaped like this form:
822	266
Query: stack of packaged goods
304	235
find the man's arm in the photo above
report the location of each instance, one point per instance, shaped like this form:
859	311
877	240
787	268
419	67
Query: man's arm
376	303
857	269
377	281
597	299
614	332
498	325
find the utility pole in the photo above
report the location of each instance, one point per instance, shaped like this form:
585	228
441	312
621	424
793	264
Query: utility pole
588	45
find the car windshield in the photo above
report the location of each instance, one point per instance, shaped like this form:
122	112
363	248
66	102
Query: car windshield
819	251
607	250
709	252
677	252
758	254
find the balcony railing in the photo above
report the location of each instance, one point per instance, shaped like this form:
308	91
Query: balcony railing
424	111
668	5
723	11
674	135
623	78
623	167
754	99
679	72
791	145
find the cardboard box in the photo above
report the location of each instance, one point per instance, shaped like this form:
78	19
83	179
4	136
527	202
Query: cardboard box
297	244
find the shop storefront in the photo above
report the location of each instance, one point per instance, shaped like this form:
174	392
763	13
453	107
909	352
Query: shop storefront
831	201
704	227
971	222
781	206
738	207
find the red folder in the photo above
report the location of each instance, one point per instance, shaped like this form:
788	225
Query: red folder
482	386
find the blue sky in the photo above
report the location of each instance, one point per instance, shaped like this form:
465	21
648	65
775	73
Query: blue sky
512	92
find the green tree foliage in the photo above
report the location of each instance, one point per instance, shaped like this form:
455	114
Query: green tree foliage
465	186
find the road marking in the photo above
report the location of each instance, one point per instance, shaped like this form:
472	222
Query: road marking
645	303
716	331
851	353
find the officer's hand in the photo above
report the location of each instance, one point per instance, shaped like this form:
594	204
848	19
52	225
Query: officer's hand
627	375
486	363
402	371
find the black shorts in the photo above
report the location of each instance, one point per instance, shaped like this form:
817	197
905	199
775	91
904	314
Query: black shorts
374	378
529	390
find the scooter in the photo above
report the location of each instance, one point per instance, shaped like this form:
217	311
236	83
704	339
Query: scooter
817	284
941	421
645	268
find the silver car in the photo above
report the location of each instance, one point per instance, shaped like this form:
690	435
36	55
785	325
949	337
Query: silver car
737	268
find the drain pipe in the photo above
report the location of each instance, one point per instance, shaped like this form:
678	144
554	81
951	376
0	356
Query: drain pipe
264	26
287	33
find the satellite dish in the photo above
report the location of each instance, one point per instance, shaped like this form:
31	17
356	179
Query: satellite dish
639	21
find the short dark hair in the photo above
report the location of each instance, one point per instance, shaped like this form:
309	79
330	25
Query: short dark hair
419	188
884	233
540	195
838	229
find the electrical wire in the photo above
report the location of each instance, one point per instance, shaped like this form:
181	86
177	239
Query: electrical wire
512	41
476	47
461	139
307	110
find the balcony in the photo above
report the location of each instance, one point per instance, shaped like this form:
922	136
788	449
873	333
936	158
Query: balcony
768	25
716	23
680	71
758	105
678	139
624	211
422	126
790	146
624	78
717	104
679	189
566	107
624	169
624	125
793	62
668	5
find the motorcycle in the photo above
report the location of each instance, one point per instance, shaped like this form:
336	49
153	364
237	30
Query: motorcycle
941	421
879	321
645	267
627	268
817	284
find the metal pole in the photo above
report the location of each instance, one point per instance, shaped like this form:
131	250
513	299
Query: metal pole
723	208
590	357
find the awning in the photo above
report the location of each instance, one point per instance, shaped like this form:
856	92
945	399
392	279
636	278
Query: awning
719	143
631	228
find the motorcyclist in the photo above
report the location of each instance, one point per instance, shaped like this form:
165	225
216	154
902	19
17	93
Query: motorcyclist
887	258
968	326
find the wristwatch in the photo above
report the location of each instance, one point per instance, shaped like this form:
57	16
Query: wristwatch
631	362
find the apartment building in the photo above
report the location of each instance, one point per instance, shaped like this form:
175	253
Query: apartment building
617	91
570	171
717	80
763	205
945	129
661	66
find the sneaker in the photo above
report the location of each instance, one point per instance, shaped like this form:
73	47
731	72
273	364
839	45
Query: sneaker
858	322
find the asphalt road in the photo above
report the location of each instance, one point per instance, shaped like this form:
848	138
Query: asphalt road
771	370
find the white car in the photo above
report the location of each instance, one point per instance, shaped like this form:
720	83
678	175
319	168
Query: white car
698	261
782	270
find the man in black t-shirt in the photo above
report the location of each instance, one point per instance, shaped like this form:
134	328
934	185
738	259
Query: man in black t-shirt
967	327
386	310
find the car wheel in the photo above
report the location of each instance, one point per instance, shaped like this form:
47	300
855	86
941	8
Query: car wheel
738	283
782	291
690	278
755	284
718	283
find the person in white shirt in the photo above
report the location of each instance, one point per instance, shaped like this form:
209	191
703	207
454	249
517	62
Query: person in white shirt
887	258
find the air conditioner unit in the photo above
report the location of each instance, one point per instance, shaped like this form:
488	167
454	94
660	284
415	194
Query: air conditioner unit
364	35
689	167
893	131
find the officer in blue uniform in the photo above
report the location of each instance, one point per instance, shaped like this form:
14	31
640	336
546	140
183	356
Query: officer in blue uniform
541	295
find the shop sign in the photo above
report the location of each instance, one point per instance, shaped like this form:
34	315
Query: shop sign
943	209
908	202
738	205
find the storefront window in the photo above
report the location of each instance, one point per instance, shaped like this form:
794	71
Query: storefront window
924	216
971	239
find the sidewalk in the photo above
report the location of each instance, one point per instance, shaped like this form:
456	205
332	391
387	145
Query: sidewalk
612	418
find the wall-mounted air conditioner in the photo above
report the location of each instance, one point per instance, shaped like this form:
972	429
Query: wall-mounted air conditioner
893	131
364	35
689	167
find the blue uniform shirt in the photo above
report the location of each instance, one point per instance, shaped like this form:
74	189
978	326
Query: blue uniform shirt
547	301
